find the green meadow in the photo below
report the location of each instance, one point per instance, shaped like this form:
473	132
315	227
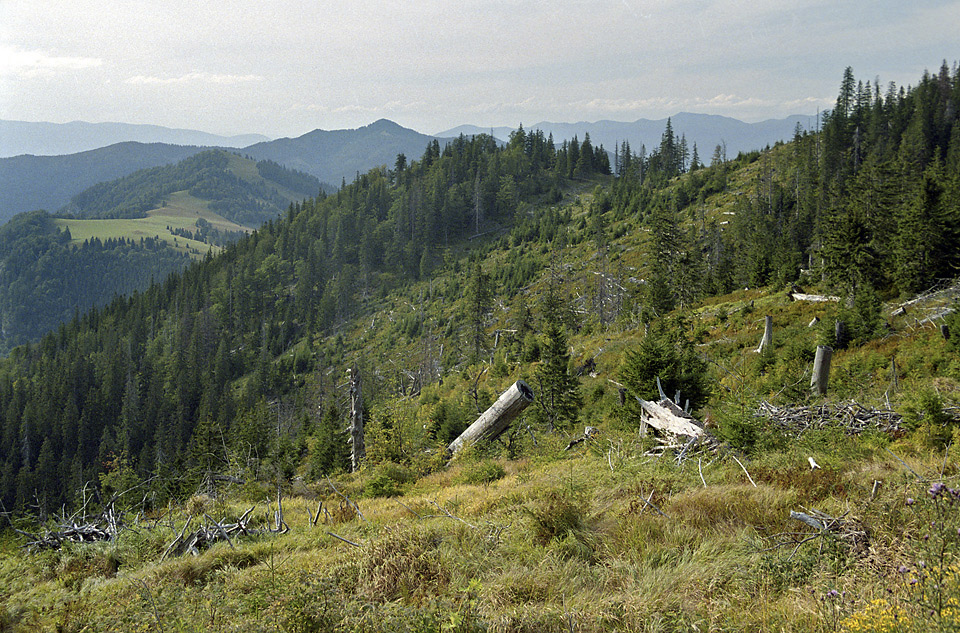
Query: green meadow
181	211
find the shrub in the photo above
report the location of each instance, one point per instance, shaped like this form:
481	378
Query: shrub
386	479
482	472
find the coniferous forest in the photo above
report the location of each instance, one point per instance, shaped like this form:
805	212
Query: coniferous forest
442	279
869	203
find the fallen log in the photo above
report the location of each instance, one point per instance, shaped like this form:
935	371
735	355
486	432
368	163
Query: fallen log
797	296
667	417
495	420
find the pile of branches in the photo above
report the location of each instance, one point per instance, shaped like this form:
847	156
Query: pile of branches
851	416
206	535
103	527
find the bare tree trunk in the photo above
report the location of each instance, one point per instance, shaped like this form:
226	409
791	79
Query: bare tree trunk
357	448
767	339
821	370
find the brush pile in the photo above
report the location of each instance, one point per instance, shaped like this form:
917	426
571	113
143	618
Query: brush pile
850	415
103	527
206	535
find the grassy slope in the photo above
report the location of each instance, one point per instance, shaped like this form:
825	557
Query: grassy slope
181	210
603	537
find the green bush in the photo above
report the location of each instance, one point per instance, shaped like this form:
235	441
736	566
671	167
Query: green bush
482	472
386	480
667	353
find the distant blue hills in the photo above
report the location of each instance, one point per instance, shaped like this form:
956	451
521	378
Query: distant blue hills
706	130
43	165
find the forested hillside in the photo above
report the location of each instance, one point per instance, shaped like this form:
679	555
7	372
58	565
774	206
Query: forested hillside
45	280
868	205
441	281
228	183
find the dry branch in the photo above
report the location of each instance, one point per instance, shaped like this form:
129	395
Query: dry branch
851	416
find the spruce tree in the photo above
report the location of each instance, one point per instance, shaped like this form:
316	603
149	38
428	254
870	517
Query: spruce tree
558	398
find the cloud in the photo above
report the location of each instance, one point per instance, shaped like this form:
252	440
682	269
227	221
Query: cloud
39	63
195	77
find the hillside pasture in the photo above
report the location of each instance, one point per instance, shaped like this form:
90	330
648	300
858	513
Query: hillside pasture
181	211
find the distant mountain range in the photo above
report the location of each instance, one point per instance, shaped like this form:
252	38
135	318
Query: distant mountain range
29	182
706	130
57	139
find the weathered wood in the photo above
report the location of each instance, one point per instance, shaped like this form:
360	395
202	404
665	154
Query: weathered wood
497	418
357	447
767	339
797	296
821	370
809	520
850	416
667	417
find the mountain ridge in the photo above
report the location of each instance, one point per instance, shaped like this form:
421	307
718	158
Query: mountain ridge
42	138
706	130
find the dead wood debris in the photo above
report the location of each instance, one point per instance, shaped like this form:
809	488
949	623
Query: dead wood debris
847	530
206	535
850	415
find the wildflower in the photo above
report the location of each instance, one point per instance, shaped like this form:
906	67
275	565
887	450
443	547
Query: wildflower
910	501
903	569
936	489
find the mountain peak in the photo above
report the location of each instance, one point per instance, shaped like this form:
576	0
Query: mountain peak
381	125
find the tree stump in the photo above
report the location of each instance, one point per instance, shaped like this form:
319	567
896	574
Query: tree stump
821	370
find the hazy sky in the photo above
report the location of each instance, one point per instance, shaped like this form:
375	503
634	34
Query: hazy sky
285	67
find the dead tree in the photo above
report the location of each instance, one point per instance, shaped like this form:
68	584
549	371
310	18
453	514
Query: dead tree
495	420
821	370
767	339
357	448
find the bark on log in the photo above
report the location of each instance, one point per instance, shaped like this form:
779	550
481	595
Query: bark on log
821	370
497	418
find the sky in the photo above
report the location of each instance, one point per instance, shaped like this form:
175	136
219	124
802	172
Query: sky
286	67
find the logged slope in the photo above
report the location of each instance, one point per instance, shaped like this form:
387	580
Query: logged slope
442	283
